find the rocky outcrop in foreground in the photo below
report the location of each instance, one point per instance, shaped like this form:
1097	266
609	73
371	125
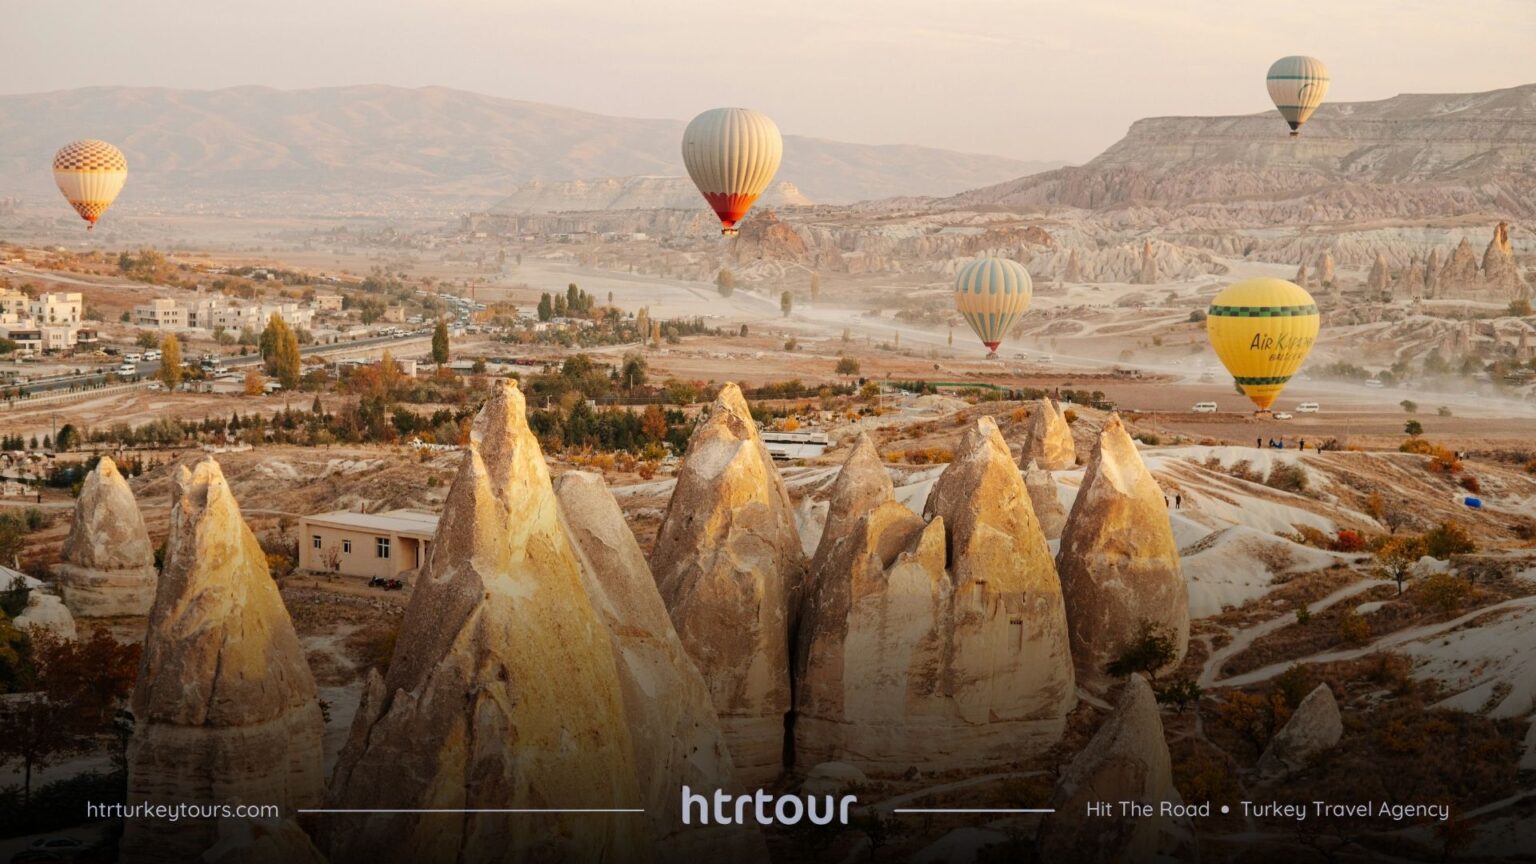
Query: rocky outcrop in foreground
108	565
48	613
1315	727
1126	760
1045	500
502	691
1048	439
729	566
935	643
225	705
1119	564
672	723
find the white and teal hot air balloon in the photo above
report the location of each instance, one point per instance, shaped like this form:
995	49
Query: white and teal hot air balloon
1298	85
993	294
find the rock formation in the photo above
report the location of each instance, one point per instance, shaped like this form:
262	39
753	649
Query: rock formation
905	662
1146	265
1410	282
225	705
1459	274
1301	274
1048	439
1325	275
1074	267
1119	563
1315	727
261	841
1008	618
765	236
730	567
1045	500
1376	282
1126	760
502	691
1432	275
1500	275
46	612
861	484
672	723
108	565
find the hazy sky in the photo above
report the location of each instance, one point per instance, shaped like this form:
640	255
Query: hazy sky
1026	78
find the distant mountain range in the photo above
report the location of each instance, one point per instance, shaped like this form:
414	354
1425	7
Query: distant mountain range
628	193
361	147
1411	156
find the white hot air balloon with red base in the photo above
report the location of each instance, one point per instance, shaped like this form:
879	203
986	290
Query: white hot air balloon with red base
90	173
732	155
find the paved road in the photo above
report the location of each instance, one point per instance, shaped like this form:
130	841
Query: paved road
148	369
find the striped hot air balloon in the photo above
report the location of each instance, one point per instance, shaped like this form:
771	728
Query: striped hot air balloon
993	294
1262	330
90	173
1298	85
732	155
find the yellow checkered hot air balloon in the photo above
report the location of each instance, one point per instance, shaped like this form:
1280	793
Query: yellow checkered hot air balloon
993	294
90	173
1262	330
1297	85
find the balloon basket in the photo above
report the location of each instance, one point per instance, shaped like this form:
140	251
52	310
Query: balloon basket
991	355
728	232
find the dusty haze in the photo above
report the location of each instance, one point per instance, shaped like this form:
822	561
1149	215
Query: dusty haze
1028	80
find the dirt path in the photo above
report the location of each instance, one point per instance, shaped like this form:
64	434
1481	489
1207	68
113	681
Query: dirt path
1391	640
1242	640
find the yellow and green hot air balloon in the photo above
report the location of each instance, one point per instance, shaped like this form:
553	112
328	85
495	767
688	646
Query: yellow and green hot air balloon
1262	330
1297	84
993	294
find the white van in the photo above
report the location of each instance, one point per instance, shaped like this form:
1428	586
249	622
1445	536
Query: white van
131	358
1308	408
151	356
1373	383
1204	408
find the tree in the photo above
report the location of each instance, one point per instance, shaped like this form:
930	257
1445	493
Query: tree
280	351
255	382
815	285
725	283
847	366
1414	428
146	339
170	362
1519	308
1150	650
546	308
653	423
786	303
440	343
68	437
1410	406
1396	557
633	371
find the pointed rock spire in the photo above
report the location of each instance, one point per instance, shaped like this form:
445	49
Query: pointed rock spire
671	719
502	691
1048	438
225	704
1045	500
1119	563
729	566
108	565
861	484
1126	760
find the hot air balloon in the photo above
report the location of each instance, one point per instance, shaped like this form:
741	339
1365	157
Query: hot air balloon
992	294
1262	330
1298	85
732	155
90	173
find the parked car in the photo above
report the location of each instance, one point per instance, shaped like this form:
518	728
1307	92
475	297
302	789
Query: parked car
1308	408
1281	415
1204	408
1373	383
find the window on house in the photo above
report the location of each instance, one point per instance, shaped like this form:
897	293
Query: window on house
382	545
346	547
314	541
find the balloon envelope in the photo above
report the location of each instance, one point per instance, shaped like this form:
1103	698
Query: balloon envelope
1262	330
1298	85
90	173
992	294
732	155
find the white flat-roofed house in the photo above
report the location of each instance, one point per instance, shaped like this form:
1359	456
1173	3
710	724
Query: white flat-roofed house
63	307
794	445
161	313
366	544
